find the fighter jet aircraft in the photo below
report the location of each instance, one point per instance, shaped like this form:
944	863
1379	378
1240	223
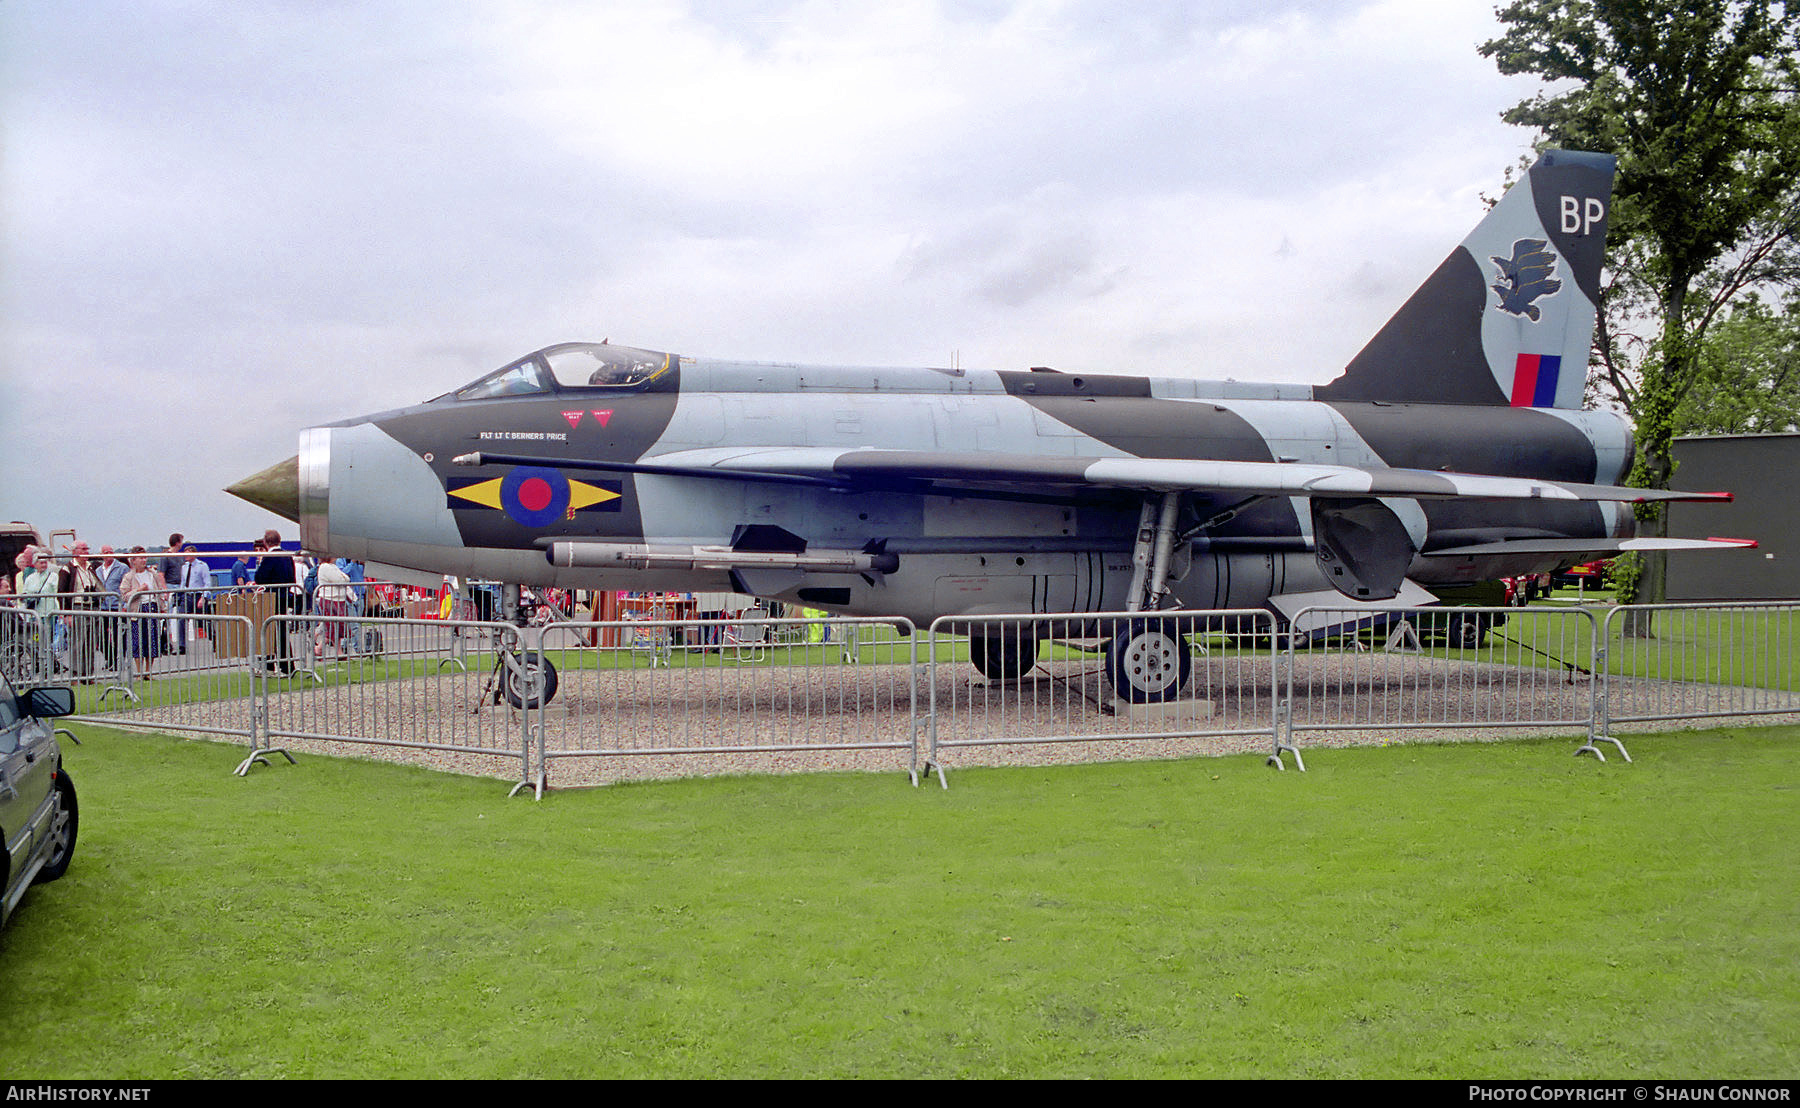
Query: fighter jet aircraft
1450	450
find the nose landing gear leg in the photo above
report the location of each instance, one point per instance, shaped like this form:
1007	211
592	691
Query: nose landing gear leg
524	676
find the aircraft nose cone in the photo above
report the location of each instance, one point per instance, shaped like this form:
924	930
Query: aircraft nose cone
276	489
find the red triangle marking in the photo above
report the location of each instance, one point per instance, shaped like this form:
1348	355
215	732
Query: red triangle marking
603	415
574	418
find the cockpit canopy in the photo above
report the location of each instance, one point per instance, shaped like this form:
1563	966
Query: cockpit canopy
572	365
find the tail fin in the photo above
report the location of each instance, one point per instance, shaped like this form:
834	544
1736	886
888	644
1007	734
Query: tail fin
1508	318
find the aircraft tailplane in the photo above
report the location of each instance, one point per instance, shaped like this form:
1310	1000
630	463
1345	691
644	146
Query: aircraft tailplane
1508	318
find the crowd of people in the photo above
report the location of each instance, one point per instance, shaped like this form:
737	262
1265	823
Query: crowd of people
165	589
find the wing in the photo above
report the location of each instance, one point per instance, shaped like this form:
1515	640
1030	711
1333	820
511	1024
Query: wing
1011	475
1578	547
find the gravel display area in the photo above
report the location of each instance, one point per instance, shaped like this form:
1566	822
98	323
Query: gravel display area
612	725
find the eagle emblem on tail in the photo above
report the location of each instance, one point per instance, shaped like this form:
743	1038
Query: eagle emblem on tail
1529	274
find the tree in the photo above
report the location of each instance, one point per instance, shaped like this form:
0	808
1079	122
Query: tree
1697	99
1747	380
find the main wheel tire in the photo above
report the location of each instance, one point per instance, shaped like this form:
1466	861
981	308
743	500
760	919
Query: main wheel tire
1468	630
1147	662
1003	657
65	821
532	684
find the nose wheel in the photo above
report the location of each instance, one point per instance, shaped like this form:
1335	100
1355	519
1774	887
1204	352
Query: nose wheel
523	677
526	679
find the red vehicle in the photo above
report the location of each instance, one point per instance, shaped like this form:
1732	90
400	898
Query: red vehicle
1588	575
1521	591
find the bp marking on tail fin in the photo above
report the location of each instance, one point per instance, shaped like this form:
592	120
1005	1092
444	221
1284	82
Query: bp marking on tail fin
1508	318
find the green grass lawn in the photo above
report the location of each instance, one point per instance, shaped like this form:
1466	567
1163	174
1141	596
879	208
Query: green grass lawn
1747	647
1744	647
1497	909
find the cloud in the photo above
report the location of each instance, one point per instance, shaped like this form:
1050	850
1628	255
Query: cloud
224	222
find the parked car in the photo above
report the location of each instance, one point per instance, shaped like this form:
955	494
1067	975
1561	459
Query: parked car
14	538
1588	575
38	812
1524	589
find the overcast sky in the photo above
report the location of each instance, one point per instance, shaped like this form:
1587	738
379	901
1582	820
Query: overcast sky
221	222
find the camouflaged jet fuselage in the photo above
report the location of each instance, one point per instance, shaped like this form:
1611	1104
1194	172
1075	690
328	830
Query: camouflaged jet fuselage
976	484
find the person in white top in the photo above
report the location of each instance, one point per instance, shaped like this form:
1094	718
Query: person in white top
331	597
140	591
37	591
39	582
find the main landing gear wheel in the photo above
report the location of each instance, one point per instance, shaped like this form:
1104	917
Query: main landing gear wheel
527	680
1468	630
1147	662
1003	657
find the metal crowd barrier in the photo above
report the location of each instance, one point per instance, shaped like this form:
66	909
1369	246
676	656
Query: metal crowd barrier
1007	681
27	655
391	683
727	696
134	669
1699	661
180	612
38	647
1443	670
669	697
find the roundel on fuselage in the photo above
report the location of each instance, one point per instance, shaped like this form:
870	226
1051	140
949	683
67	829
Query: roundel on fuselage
534	496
